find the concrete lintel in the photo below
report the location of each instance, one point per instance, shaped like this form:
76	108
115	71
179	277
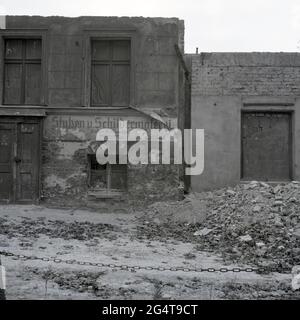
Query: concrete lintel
22	112
268	100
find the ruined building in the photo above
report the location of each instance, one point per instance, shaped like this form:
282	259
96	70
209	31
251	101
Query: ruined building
249	106
63	79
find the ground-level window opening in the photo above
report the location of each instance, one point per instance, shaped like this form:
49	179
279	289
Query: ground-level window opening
106	177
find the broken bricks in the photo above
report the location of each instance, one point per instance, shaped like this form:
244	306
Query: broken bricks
259	222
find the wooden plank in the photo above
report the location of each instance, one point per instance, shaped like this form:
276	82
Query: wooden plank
266	146
120	85
22	112
100	85
13	48
101	50
27	162
33	84
121	50
6	142
33	49
12	83
110	85
22	83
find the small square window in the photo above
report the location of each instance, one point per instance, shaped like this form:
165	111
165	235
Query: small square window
108	176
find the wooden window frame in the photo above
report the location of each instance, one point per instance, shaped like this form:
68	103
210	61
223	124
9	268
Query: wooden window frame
26	34
112	34
108	174
22	61
110	63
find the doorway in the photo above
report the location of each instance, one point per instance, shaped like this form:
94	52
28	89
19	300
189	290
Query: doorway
266	146
19	159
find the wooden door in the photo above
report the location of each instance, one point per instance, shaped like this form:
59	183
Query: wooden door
266	146
27	161
7	138
19	160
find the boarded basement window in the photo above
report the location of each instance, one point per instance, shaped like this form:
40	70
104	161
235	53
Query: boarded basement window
110	73
108	176
22	71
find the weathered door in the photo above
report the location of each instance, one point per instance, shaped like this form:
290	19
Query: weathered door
266	146
19	160
7	138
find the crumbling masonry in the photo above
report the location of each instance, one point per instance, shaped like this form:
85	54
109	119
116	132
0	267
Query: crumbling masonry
63	79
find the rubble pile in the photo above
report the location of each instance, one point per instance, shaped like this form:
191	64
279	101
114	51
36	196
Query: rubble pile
30	228
253	223
271	290
82	281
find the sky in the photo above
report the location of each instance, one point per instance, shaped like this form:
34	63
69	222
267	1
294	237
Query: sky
210	25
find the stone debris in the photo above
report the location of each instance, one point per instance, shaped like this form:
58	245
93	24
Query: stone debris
296	278
296	233
245	238
30	229
255	223
204	232
81	281
256	209
260	244
231	192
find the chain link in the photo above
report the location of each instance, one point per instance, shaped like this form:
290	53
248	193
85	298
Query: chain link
147	268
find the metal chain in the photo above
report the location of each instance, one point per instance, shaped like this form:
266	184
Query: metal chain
148	268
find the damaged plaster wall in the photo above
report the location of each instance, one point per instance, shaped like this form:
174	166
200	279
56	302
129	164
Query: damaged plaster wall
67	94
155	63
67	139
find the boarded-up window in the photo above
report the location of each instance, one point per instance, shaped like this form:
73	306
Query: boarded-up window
110	85
108	176
22	71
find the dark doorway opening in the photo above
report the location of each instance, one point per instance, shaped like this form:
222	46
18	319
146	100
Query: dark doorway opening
266	146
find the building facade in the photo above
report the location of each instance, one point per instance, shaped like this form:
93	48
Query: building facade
249	106
63	79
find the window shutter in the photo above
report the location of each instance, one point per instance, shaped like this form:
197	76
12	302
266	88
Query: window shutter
13	83
22	83
110	76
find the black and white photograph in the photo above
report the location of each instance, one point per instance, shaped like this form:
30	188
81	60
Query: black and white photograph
149	151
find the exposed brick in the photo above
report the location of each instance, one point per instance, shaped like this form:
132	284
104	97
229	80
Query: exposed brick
155	65
264	74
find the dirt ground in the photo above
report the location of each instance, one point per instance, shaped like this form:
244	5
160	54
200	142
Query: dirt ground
114	238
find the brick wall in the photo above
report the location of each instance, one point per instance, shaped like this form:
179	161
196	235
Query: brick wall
65	166
246	74
155	86
225	84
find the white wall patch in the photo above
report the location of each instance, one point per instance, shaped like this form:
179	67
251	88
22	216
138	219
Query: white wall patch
2	22
2	278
